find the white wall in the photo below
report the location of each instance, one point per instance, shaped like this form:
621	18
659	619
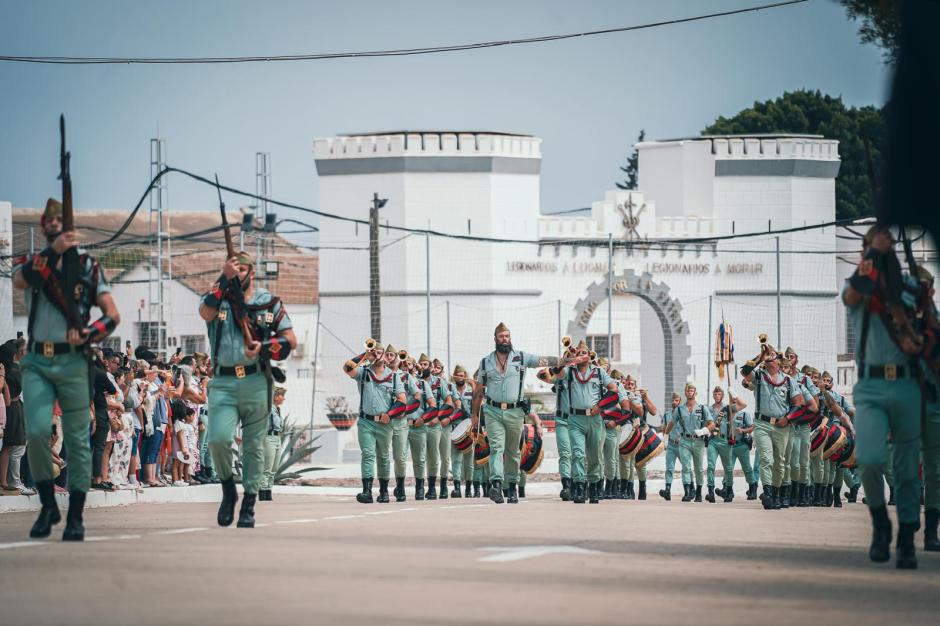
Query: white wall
7	327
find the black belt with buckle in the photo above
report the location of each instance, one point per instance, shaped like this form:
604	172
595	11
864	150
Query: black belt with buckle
580	411
768	419
51	349
888	372
239	371
274	432
684	436
503	405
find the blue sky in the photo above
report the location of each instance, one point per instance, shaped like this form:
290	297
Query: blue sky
587	98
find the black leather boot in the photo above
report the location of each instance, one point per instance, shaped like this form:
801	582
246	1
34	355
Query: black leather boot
666	493
608	489
777	504
784	491
442	495
476	489
496	491
880	549
226	513
906	558
513	495
802	491
246	516
689	493
720	492
365	497
269	495
620	489
710	496
521	491
891	496
400	489
49	514
818	499
931	519
729	494
578	496
698	493
642	494
631	494
594	493
767	498
419	489
752	491
827	495
852	494
468	490
74	528
383	491
565	493
456	492
432	490
836	497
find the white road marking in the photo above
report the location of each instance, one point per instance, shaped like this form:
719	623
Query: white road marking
298	521
342	517
112	537
260	524
21	544
382	512
180	531
520	553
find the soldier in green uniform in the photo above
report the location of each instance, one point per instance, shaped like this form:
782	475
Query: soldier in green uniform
56	366
774	394
272	444
628	468
740	451
796	471
240	391
672	445
501	376
562	439
461	462
381	400
445	402
837	407
694	423
418	428
887	395
720	444
403	368
586	385
627	409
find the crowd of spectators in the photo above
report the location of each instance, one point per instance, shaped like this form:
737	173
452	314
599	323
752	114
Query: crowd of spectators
147	421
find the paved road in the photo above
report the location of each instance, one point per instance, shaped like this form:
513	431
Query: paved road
327	560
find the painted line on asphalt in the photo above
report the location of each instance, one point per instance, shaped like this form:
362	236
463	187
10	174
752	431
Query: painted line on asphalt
521	553
22	544
180	531
112	537
308	520
342	517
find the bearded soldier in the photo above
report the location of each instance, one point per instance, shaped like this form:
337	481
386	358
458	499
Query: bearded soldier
502	375
720	445
240	391
672	445
418	429
56	367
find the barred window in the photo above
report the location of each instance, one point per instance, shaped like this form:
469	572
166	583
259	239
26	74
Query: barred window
598	343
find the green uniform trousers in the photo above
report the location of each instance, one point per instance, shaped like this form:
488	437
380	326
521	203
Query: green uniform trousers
418	443
400	446
272	445
889	465
884	407
772	442
434	451
742	454
691	454
481	473
799	453
444	447
755	467
375	442
586	433
461	466
817	470
629	470
787	455
504	430
65	377
672	453
564	446
931	454
718	448
611	452
232	401
835	474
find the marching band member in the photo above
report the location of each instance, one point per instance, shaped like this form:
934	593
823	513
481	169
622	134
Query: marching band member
628	466
562	439
695	422
445	403
403	367
672	444
792	492
462	462
720	444
418	430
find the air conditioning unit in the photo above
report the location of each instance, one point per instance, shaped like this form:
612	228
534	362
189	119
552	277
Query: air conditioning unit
298	352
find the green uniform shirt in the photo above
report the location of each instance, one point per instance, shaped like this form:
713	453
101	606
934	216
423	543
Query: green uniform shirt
879	348
562	408
690	421
228	344
465	396
49	324
670	418
505	386
742	419
586	390
774	400
377	393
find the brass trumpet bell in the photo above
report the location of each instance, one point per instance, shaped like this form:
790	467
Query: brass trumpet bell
370	344
566	342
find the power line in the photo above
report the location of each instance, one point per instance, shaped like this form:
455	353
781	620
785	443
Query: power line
70	60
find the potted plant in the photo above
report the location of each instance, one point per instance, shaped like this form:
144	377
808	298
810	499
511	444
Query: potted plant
339	413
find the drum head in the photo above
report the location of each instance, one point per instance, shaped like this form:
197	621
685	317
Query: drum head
626	431
461	430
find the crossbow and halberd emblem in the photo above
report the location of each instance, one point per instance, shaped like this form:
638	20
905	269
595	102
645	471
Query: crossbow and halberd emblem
631	219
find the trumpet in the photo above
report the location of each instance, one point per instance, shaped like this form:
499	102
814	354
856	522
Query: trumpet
566	342
402	354
370	344
593	356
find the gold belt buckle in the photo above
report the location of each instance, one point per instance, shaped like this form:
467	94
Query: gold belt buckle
503	405
891	372
48	349
239	371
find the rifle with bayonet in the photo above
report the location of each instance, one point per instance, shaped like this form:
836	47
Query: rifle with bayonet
234	293
71	287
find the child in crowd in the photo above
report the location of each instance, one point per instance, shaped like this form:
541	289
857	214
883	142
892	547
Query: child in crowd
184	442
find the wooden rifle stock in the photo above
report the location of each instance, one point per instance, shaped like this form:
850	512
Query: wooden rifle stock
70	258
234	293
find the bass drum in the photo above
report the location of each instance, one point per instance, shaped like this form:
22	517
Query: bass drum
481	452
630	440
846	456
531	446
461	436
835	441
651	447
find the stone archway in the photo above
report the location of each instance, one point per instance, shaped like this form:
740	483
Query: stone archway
668	309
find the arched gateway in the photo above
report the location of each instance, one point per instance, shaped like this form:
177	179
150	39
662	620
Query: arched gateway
668	309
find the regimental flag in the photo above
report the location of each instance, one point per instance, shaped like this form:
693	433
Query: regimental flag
724	347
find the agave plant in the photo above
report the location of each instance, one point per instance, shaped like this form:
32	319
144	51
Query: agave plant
289	454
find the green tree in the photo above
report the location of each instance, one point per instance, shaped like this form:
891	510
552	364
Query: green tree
880	23
810	112
632	166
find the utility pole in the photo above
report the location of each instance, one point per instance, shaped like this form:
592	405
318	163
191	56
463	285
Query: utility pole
375	303
159	252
